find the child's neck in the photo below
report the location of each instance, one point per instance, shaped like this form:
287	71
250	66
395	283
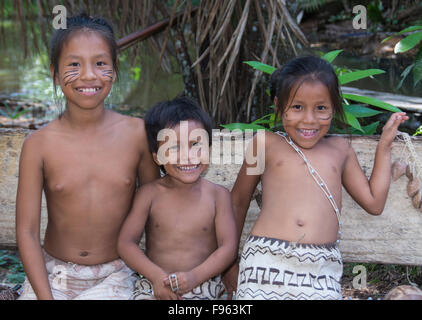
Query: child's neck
175	183
84	119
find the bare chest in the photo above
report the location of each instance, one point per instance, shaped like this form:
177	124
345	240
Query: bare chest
289	171
183	215
75	165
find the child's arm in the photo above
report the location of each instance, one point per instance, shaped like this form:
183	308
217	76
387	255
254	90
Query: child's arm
28	216
128	244
223	256
148	170
371	195
241	195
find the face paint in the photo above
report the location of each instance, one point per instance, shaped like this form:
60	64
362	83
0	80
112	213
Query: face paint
70	76
108	73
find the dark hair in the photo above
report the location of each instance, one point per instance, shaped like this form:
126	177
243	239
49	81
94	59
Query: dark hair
300	70
81	22
168	114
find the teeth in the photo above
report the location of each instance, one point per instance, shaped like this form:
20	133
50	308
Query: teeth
308	132
88	89
188	168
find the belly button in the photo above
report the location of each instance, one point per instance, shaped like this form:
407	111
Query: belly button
83	253
300	223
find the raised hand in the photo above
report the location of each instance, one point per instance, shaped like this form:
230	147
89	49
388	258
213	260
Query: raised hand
389	131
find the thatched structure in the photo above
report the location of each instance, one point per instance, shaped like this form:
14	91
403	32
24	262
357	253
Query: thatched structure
210	42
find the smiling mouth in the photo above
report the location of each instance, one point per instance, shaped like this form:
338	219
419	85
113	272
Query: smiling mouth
188	168
307	133
88	90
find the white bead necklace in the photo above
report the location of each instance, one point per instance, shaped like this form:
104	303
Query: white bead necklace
315	175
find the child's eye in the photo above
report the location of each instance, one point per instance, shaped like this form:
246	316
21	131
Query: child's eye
321	108
296	107
101	63
73	64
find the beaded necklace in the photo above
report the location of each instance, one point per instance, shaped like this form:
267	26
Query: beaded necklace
315	175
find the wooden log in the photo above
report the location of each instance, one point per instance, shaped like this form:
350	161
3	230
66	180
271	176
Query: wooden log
149	31
392	238
409	103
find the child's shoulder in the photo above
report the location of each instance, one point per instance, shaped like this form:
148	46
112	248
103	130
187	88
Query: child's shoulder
217	189
340	143
43	133
132	123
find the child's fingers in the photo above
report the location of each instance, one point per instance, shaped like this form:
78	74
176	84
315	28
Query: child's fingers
396	119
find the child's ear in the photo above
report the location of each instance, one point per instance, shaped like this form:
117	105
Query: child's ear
155	158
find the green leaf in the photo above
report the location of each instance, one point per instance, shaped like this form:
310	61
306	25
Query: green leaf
409	29
408	43
261	66
357	75
404	74
352	121
360	111
243	126
370	129
417	70
371	101
263	118
330	56
418	131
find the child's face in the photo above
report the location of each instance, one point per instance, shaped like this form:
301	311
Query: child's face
307	117
85	70
184	151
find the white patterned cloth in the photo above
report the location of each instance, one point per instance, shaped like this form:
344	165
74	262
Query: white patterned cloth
208	290
273	269
68	281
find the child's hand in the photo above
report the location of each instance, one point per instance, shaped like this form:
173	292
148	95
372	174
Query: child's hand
162	292
389	131
229	279
181	282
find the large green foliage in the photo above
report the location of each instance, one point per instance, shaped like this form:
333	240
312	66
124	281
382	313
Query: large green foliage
407	43
353	112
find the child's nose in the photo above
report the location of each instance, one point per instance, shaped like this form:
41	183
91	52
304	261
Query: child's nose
184	154
309	116
87	73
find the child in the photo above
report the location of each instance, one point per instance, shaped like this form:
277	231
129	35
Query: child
292	251
87	162
188	221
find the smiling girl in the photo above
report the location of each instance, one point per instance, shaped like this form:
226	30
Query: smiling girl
292	252
87	163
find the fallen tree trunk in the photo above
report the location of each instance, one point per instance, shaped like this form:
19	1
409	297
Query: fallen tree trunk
409	103
394	237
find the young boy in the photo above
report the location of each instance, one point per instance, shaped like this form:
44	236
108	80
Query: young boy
189	224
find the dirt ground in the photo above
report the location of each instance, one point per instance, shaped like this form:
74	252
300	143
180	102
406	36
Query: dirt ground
380	278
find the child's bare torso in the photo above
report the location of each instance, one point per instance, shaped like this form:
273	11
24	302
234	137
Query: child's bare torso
293	206
180	230
89	182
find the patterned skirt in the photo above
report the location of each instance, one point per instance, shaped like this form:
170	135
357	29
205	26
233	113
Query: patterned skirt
273	269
